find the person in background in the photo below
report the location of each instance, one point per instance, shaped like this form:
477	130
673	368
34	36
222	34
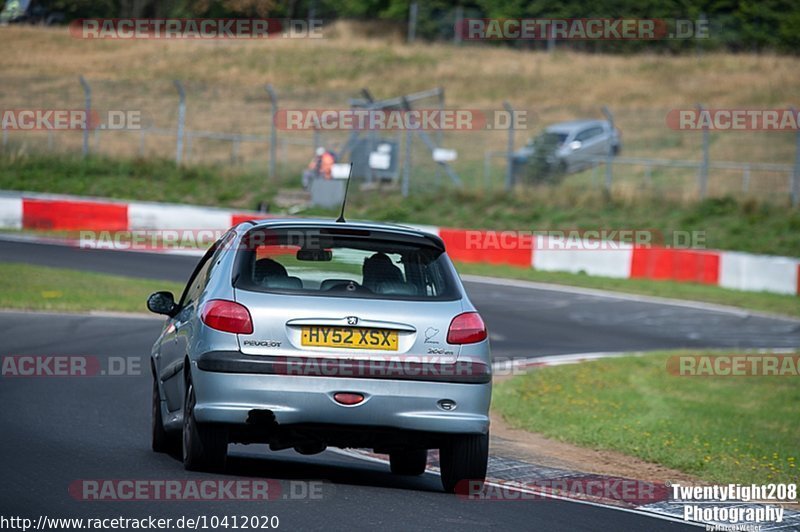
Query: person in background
319	167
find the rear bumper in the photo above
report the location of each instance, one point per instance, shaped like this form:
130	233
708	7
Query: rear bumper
228	395
411	368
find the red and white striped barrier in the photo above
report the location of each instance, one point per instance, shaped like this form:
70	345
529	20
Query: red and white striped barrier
70	213
739	271
728	269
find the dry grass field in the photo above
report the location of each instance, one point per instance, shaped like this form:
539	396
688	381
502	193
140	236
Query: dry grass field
472	75
225	82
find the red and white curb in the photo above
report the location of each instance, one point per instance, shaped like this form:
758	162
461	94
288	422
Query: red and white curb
728	269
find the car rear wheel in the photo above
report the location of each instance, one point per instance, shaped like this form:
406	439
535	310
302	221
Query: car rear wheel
408	461
463	460
162	441
205	446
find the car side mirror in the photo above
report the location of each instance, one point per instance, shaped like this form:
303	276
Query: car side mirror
162	303
575	144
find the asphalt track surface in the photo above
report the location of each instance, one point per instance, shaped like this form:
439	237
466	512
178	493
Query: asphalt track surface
57	430
523	322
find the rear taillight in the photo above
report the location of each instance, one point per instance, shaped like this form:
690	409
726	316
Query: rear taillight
227	316
467	328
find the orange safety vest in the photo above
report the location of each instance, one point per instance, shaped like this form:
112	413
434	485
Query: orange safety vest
322	164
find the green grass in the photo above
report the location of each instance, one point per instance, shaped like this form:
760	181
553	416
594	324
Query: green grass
721	429
757	301
28	287
724	223
138	179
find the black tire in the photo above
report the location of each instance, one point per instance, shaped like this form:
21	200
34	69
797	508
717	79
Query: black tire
205	445
463	460
408	461
162	441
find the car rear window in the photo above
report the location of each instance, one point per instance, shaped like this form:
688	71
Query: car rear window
344	263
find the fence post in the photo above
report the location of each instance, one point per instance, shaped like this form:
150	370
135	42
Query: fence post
235	150
312	11
317	135
796	176
702	177
510	147
459	26
439	137
406	183
181	122
87	97
746	179
142	135
188	150
610	152
273	132
487	169
412	22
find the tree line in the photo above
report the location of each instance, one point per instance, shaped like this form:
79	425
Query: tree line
734	25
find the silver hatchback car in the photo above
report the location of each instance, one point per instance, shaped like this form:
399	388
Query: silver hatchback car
574	145
305	334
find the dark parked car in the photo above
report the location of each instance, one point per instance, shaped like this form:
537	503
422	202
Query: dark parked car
29	12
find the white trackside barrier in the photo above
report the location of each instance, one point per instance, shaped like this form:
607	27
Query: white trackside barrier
584	256
756	273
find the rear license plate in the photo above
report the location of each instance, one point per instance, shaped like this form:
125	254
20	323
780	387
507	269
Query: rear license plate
349	338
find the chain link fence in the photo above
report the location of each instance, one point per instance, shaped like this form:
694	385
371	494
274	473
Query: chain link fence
231	124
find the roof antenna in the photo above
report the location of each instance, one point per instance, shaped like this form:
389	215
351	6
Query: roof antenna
341	219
